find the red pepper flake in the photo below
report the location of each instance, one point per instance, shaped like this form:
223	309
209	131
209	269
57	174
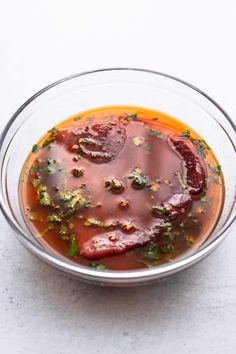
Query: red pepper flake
76	172
128	228
123	204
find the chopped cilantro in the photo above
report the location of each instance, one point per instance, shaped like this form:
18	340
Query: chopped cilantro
201	147
53	130
139	181
186	134
167	226
44	197
51	138
42	233
54	218
87	141
68	213
36	182
180	179
77	172
73	198
76	157
63	230
97	265
168	248
155	133
160	210
150	264
151	252
149	148
96	222
170	235
216	169
189	242
34	170
47	142
34	148
51	166
133	117
204	200
73	249
51	226
31	215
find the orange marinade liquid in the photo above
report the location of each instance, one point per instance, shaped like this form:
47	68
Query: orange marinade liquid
154	158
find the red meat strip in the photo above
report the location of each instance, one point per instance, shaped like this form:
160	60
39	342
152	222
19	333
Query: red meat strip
116	242
100	143
196	170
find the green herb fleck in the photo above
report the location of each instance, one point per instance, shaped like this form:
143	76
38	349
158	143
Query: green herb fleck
97	265
42	233
54	218
189	242
167	226
149	148
73	249
87	141
52	137
47	142
155	133
68	213
168	248
71	198
168	232
63	230
170	235
160	210
151	252
202	147
36	182
31	215
217	171
96	222
35	148
53	130
180	179
44	197
149	264
51	166
186	134
204	200
133	117
139	180
77	172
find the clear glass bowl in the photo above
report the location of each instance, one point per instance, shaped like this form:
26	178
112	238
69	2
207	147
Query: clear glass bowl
119	86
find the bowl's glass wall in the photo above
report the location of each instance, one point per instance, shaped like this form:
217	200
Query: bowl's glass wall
115	87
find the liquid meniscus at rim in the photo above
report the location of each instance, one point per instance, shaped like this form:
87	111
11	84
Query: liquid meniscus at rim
121	188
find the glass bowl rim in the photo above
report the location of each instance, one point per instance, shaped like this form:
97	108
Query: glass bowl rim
114	275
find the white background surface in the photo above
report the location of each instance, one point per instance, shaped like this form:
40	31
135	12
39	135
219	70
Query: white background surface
41	311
